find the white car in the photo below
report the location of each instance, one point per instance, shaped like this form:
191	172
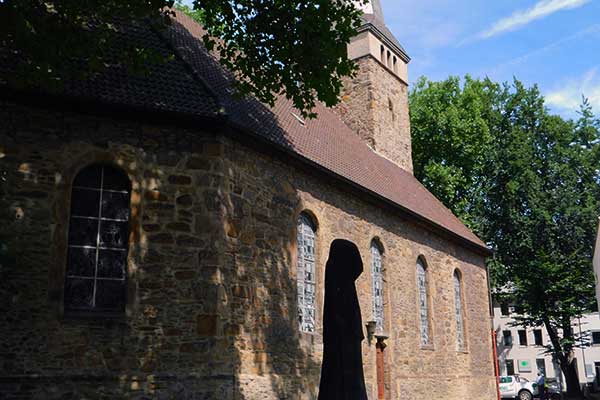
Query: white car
514	386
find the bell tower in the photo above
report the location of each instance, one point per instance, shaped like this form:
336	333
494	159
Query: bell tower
374	103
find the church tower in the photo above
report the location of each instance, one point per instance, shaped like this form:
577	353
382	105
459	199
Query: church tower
375	102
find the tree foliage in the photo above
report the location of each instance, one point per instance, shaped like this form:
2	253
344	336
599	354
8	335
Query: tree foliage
51	40
527	182
294	48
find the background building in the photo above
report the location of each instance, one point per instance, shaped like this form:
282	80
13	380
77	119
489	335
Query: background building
521	351
596	263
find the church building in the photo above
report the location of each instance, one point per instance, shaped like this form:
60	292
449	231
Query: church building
171	240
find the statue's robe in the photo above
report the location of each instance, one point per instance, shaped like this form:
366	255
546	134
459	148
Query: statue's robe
342	375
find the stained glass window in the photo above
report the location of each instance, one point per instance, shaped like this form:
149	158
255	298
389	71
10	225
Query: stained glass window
458	311
423	306
98	240
377	283
306	274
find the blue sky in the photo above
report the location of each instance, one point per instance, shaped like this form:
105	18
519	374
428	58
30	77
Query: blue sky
554	43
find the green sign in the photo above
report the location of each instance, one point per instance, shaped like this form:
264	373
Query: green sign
524	366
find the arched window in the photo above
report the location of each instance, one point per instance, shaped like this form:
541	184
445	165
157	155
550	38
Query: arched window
98	241
460	335
306	273
423	301
377	284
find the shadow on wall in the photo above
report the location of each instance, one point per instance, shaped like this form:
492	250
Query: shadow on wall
258	210
211	307
211	304
259	220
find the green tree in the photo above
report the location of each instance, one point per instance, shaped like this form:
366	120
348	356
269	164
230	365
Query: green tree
452	126
535	199
295	48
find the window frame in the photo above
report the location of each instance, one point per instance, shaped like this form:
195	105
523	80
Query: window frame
376	246
459	311
522	338
94	312
594	342
68	170
507	339
535	337
310	222
511	362
537	365
423	263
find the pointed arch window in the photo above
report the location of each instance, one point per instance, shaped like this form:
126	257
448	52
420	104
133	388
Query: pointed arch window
423	301
377	284
306	273
458	311
96	271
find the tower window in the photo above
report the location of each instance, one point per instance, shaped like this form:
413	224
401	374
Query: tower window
98	240
382	55
395	65
389	55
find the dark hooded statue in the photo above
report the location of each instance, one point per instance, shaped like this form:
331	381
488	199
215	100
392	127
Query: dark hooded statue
342	370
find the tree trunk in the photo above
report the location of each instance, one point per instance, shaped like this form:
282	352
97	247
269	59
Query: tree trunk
565	357
569	369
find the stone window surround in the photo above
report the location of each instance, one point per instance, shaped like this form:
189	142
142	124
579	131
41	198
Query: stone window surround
59	247
118	215
319	272
377	243
430	345
465	338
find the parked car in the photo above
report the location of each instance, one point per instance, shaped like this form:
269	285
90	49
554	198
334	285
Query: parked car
514	386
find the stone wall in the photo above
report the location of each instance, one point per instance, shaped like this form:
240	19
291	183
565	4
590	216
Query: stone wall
211	307
374	104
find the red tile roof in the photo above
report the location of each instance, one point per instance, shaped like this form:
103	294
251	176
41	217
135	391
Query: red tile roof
194	84
326	140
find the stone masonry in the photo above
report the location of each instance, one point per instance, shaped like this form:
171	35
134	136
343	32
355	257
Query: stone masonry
374	104
211	308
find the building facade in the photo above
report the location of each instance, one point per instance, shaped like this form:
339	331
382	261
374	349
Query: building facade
520	349
171	239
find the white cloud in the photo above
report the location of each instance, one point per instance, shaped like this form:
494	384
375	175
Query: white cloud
520	18
590	30
568	96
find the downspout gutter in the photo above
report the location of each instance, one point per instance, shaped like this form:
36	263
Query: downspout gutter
493	333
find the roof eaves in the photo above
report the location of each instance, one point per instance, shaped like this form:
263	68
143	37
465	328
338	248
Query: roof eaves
91	106
244	135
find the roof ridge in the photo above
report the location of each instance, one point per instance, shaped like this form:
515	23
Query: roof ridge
220	108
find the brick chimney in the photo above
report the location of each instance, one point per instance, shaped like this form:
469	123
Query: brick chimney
375	102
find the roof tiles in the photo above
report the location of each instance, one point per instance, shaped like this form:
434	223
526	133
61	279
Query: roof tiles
195	84
326	140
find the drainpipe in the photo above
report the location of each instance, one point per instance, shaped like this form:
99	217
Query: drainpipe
493	331
496	365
